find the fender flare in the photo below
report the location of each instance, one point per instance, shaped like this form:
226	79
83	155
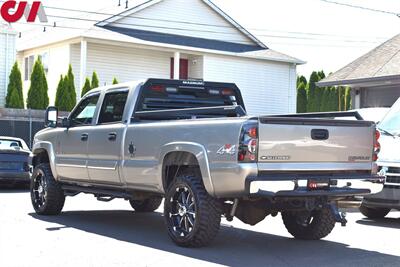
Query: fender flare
195	149
48	148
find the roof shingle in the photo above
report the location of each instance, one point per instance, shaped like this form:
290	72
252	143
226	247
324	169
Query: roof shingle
380	62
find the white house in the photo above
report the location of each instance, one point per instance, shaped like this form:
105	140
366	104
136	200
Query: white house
180	39
7	59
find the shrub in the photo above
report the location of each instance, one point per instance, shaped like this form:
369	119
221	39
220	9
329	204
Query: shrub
86	88
301	98
95	80
38	91
60	99
312	104
70	92
15	97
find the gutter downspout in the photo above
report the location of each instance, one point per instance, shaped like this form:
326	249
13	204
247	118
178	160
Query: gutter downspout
83	68
6	68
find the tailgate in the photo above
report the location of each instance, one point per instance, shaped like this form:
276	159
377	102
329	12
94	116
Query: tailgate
315	144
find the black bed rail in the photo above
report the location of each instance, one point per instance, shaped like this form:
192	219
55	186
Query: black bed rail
190	113
343	114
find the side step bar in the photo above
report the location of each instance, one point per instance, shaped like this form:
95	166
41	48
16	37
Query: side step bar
100	193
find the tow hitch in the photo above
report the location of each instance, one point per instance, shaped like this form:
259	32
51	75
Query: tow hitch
340	217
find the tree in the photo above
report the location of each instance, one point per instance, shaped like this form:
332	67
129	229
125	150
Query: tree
312	105
38	91
319	92
86	88
115	81
321	75
325	99
15	97
301	98
95	80
70	92
334	99
342	99
301	79
348	104
59	93
14	100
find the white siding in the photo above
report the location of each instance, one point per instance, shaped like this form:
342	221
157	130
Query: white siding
7	59
126	64
163	17
58	61
267	87
196	65
75	59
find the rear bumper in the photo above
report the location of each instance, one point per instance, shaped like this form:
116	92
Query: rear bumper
10	176
339	187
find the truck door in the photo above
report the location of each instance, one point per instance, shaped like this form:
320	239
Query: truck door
105	143
71	148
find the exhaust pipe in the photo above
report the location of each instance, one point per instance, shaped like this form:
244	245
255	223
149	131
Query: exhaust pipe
350	203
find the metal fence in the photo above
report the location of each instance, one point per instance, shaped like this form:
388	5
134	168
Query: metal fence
22	123
23	129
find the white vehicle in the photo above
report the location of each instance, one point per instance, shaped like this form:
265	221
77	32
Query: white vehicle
373	114
379	205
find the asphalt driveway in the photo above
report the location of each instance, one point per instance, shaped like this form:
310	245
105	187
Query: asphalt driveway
92	233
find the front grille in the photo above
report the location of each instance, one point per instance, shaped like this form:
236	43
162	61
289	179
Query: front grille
393	177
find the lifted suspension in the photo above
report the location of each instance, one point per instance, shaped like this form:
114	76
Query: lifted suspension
340	217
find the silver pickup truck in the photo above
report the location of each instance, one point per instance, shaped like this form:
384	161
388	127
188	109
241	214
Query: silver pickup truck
192	143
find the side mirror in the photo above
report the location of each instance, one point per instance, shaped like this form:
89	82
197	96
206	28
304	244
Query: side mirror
66	123
51	117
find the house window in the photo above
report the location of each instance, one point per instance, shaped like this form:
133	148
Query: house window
28	67
45	61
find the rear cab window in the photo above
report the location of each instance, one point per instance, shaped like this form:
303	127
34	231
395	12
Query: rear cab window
179	95
112	109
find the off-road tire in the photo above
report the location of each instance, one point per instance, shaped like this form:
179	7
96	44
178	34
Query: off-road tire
208	211
322	224
147	205
374	213
55	197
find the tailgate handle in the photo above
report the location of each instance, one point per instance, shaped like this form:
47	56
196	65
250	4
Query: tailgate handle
319	134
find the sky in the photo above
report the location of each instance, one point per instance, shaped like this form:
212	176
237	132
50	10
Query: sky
327	36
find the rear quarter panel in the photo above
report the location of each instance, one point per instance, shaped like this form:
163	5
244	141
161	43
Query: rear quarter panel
154	140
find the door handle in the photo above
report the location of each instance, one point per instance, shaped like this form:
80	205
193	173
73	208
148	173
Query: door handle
84	137
320	134
112	136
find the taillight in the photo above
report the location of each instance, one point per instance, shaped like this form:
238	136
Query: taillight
157	88
377	145
227	92
248	143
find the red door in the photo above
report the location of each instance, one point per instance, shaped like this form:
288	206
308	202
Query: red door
183	69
